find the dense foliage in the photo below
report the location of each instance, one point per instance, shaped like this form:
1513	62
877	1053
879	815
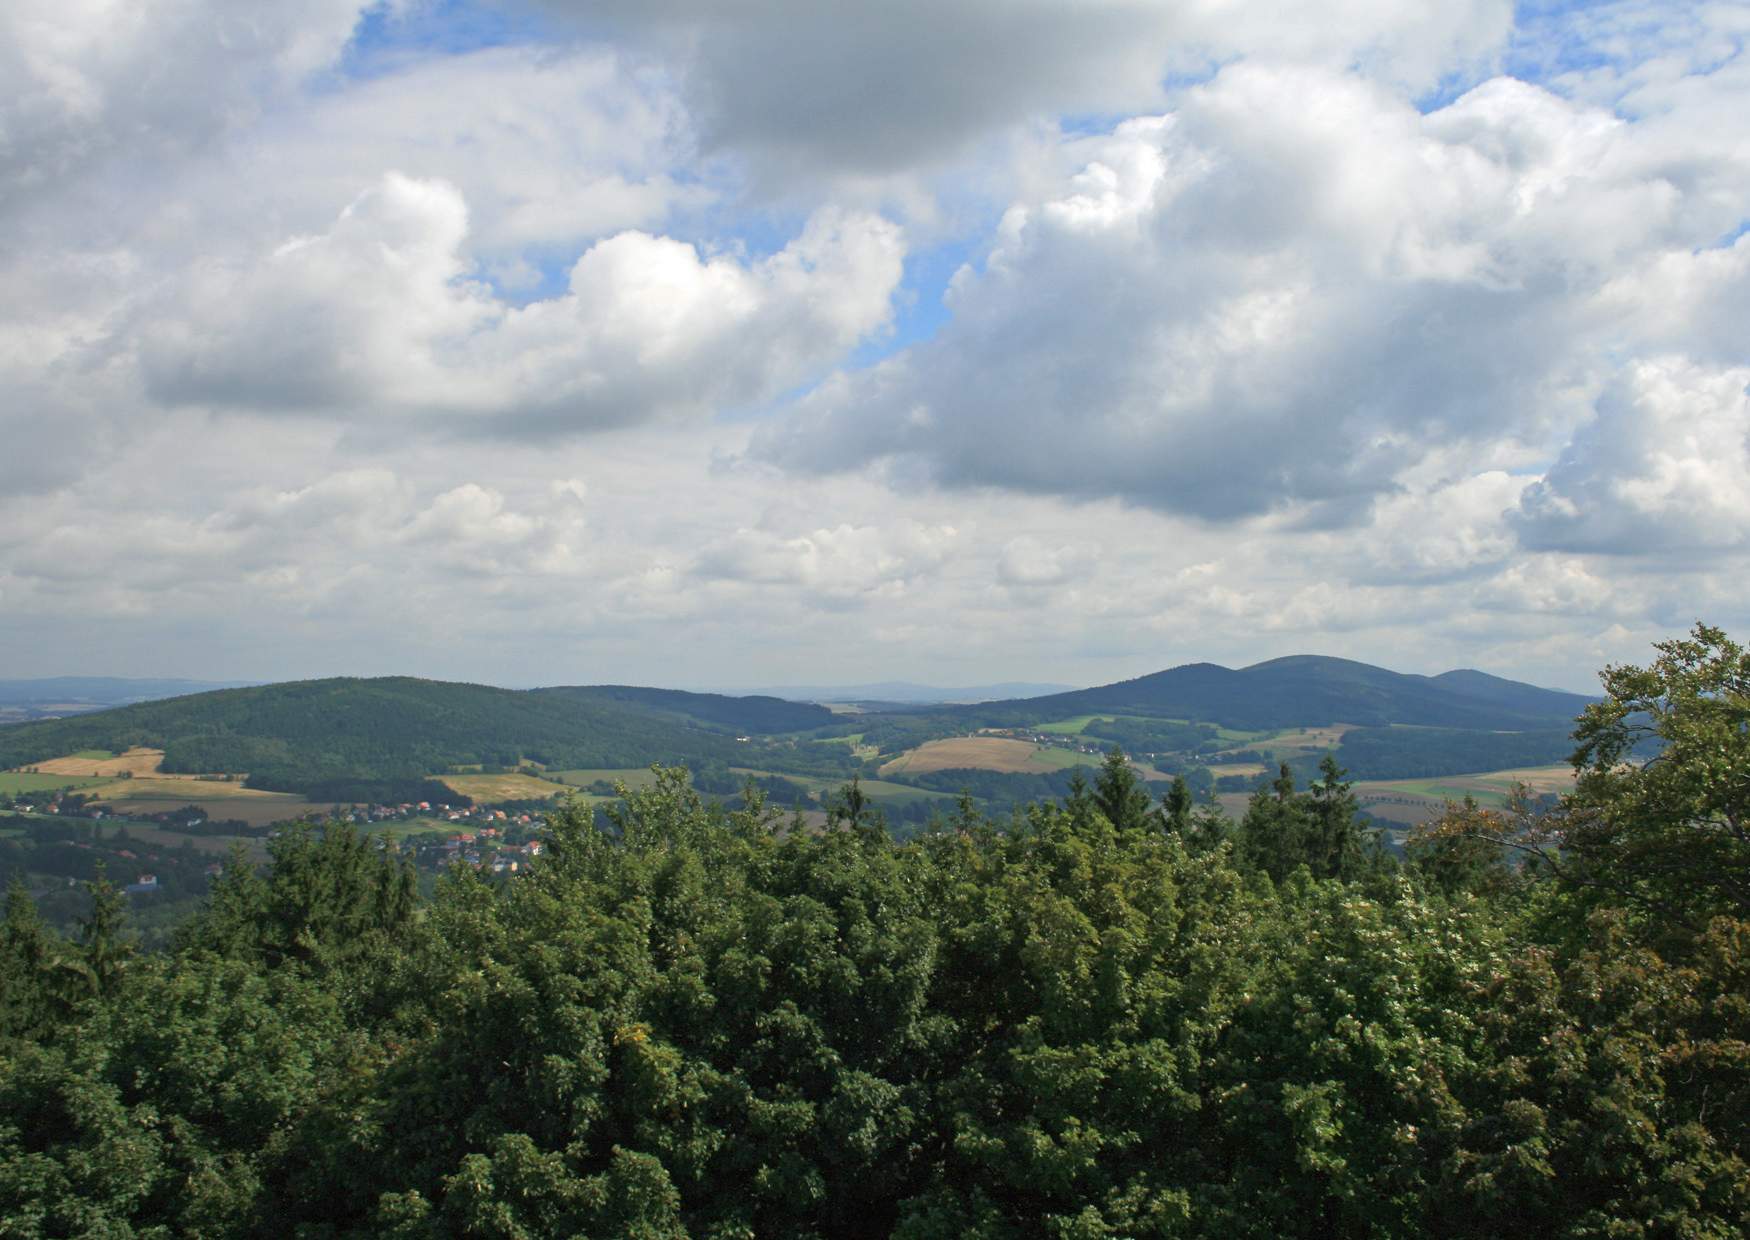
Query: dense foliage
1111	1015
1414	753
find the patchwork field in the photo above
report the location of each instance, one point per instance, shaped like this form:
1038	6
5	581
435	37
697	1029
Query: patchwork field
879	789
633	777
18	783
1420	800
1298	740
984	753
103	764
258	810
853	742
1068	727
131	784
486	789
1314	738
182	789
1249	769
217	845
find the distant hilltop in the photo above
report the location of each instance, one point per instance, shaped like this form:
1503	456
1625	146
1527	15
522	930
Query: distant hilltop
1310	690
55	697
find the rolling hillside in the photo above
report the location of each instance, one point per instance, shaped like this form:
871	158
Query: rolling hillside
309	736
351	739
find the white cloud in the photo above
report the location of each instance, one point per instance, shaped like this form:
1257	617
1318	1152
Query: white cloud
838	561
90	81
1286	294
806	90
1028	562
1274	360
551	150
381	312
1665	466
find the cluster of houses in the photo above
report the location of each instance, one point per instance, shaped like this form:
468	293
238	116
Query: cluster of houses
408	810
1055	740
483	850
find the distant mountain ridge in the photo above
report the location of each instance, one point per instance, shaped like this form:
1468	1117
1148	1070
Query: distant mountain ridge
1316	690
103	690
330	738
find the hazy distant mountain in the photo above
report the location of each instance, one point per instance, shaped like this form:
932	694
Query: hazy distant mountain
911	692
335	735
1310	690
104	690
55	697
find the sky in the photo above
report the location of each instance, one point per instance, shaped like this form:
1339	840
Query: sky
722	342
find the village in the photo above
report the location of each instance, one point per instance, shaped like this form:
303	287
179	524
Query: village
434	836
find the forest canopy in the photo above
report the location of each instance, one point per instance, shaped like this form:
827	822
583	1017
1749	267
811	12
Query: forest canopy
1110	1014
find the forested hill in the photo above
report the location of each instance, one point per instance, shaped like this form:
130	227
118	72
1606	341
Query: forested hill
1310	690
754	716
289	736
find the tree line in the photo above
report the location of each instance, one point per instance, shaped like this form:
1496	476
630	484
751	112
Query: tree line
1109	1014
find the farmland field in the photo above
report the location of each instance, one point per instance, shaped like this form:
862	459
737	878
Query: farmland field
413	828
1302	738
1068	727
854	742
1238	768
258	811
633	777
101	763
17	783
486	789
218	845
984	753
184	788
880	789
1419	800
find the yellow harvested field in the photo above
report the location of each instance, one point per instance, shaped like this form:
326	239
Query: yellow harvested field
979	753
486	789
1237	768
182	789
135	761
1558	778
258	811
1305	738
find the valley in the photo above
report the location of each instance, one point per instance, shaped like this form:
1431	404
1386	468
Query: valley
432	764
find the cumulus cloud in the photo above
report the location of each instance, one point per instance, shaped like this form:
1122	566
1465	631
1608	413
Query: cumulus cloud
1664	466
1399	331
837	561
1028	562
95	80
1455	529
805	88
1284	294
550	149
382	312
399	544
